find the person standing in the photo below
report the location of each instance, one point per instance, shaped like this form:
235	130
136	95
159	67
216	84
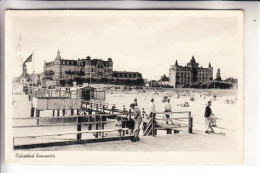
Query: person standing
209	118
168	108
152	108
135	101
137	121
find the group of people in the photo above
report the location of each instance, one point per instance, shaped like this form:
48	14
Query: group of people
210	119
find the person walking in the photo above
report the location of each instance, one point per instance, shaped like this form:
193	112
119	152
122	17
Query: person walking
209	118
168	108
137	121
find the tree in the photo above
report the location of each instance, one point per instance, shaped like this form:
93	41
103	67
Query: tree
218	75
230	79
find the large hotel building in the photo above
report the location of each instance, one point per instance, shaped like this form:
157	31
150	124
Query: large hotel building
94	69
191	73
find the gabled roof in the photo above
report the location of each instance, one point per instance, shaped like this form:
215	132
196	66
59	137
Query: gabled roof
193	59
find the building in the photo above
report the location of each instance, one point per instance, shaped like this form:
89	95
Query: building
124	75
95	70
189	74
25	77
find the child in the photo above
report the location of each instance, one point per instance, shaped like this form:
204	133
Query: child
118	126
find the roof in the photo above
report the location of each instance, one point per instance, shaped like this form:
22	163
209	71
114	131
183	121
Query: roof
176	62
193	59
126	72
87	88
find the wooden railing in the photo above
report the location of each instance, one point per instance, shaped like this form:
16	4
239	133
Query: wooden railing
159	121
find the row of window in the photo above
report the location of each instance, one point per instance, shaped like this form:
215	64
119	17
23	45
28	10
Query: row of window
183	74
69	62
189	70
126	75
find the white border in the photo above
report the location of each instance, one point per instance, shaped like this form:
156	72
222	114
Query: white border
251	74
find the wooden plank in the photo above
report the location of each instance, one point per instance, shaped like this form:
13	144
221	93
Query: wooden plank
62	124
74	142
180	112
171	118
66	116
165	128
68	133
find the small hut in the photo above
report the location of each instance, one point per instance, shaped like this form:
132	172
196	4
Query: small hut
90	93
87	93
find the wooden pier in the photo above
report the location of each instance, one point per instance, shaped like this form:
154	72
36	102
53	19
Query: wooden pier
95	115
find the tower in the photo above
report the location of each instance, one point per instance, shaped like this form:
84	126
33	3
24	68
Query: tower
172	74
176	63
110	68
57	67
194	69
210	72
88	67
24	74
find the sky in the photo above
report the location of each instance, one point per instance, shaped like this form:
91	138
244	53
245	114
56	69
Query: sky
147	42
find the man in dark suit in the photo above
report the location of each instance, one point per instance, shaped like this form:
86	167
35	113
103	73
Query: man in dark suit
209	118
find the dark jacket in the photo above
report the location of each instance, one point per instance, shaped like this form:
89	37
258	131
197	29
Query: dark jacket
208	112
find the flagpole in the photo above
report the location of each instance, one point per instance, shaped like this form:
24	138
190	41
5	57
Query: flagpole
33	74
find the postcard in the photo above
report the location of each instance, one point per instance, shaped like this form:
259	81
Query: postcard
124	86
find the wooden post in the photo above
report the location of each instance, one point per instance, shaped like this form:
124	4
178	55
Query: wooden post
79	128
96	120
32	111
102	126
91	106
190	123
90	120
103	118
38	115
113	107
153	125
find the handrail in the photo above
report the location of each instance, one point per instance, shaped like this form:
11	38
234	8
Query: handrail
172	112
66	124
65	117
72	132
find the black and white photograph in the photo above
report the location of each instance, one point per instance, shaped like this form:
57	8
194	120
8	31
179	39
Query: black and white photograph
124	86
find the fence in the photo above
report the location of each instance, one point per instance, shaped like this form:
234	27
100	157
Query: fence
161	120
97	116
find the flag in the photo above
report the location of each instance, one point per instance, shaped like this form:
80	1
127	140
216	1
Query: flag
29	59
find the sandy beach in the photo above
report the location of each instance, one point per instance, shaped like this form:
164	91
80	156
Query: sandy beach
183	141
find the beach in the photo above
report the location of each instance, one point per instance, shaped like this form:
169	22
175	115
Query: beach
183	141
